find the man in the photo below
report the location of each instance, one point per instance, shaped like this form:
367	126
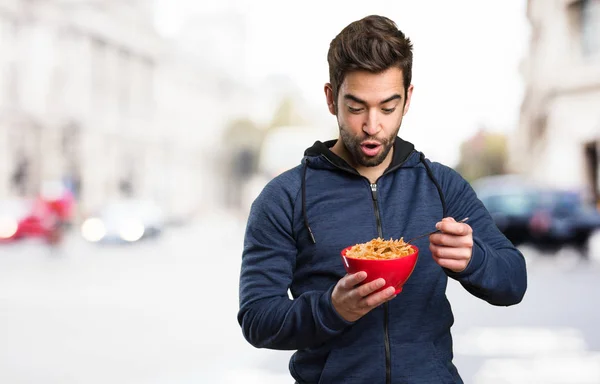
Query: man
369	183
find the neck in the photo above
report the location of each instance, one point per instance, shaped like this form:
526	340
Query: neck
371	173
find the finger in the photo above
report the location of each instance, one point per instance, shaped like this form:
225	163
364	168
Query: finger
453	265
378	298
390	298
350	281
452	227
450	240
441	252
368	288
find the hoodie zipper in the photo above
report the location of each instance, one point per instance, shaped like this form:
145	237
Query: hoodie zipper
386	340
386	333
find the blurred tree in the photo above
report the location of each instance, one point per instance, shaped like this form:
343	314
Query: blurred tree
485	154
287	114
242	132
242	138
20	176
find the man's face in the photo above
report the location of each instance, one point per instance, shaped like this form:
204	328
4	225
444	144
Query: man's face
369	110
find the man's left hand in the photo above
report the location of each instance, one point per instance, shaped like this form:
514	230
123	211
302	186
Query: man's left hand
453	247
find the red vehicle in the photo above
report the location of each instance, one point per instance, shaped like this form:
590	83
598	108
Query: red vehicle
21	218
42	217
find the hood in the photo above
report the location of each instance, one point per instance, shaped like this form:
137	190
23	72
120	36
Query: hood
319	156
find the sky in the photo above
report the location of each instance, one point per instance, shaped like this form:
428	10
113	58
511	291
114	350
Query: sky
466	56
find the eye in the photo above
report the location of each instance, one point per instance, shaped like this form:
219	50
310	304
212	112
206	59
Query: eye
355	110
388	110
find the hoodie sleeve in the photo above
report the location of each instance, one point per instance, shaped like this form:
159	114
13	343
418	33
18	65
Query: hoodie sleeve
497	271
268	317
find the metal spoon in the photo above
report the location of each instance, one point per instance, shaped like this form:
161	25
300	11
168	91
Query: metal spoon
436	231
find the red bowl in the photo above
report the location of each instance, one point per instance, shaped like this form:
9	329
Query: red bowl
395	272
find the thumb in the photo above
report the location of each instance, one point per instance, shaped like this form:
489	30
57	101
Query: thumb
438	226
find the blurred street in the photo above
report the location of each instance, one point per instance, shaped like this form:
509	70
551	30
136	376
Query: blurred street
164	311
130	118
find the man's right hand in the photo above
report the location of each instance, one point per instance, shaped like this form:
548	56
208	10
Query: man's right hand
352	300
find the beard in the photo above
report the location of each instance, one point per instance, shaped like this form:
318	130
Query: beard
353	145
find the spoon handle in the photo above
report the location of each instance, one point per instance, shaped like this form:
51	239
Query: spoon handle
436	231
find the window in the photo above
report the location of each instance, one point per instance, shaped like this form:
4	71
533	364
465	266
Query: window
8	63
99	75
126	74
590	27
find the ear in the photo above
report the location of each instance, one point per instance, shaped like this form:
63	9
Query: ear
409	92
330	100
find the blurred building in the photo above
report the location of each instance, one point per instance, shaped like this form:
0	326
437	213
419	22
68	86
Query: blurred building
236	108
559	137
91	95
200	96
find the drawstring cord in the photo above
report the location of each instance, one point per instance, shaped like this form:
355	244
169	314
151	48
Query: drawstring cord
306	224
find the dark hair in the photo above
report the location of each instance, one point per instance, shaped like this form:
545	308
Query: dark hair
372	44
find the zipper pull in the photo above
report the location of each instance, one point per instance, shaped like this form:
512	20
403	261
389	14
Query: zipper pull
374	191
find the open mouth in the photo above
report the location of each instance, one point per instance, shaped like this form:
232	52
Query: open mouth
371	149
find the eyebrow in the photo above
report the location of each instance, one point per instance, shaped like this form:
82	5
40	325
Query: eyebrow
356	99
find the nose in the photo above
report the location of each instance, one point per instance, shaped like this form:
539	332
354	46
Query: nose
371	125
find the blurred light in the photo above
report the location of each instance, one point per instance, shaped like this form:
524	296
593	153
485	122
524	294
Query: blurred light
93	230
8	227
132	231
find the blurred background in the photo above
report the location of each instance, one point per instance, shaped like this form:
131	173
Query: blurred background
134	135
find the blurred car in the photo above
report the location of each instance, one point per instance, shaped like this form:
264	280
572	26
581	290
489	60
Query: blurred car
512	202
282	149
529	213
124	221
26	218
564	218
59	199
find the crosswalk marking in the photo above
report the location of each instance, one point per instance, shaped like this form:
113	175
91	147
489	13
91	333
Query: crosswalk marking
575	369
519	341
256	376
530	355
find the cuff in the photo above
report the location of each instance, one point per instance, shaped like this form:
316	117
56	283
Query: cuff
329	316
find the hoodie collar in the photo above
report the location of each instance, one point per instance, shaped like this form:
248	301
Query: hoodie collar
402	150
